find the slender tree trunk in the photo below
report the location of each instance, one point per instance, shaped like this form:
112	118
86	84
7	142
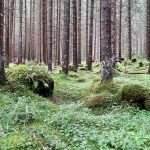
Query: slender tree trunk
40	33
44	4
50	47
113	32
59	31
25	40
32	32
2	72
11	28
7	22
66	36
91	36
14	35
148	33
75	59
106	72
20	31
129	30
100	38
87	31
120	31
79	31
95	43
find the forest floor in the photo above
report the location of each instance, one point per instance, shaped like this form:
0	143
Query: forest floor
29	121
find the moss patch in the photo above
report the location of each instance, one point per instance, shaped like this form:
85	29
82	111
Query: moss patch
35	76
99	100
136	94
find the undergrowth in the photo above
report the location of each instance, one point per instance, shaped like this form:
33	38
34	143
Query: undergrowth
29	121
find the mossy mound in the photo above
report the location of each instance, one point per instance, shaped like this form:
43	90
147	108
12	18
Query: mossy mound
141	64
35	76
101	100
83	69
108	86
103	95
73	75
137	95
71	68
134	60
81	80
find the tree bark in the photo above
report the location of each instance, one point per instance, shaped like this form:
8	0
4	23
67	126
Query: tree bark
113	32
79	31
75	59
2	71
87	31
129	31
20	32
106	72
120	30
89	65
148	33
66	36
50	47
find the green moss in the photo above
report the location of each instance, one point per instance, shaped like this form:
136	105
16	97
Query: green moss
136	94
73	75
71	68
108	86
99	100
35	76
83	69
81	80
134	60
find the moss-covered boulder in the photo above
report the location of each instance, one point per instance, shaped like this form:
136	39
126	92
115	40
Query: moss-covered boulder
35	76
101	100
137	95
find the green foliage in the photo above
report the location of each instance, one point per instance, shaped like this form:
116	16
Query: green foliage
34	75
28	121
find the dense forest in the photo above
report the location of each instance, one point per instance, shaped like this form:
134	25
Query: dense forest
74	74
